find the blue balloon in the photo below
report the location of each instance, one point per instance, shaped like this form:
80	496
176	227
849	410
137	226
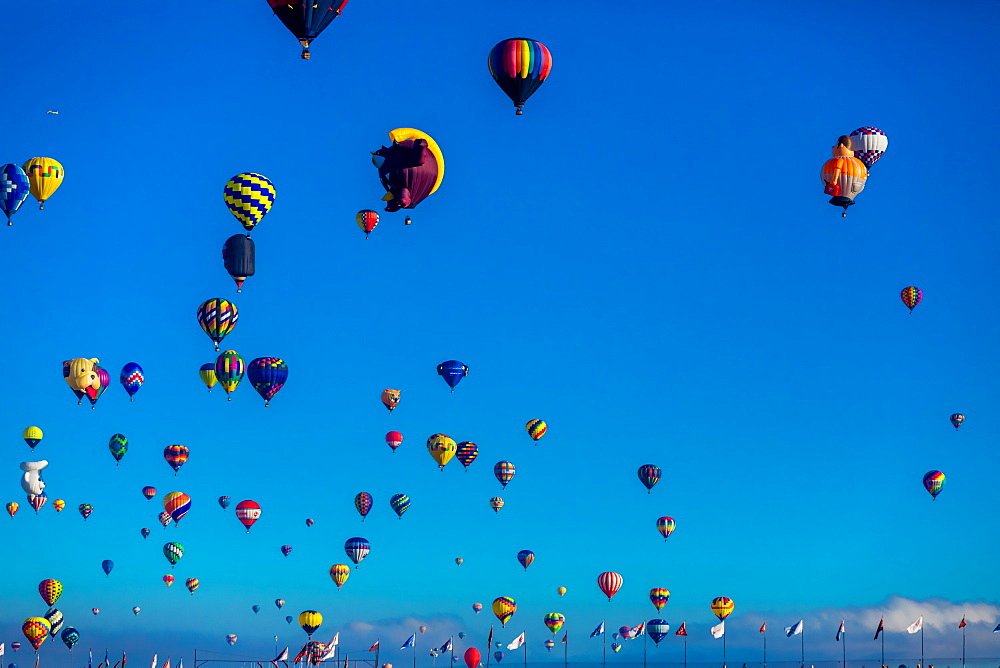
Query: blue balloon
288	619
107	565
657	630
131	378
256	609
144	531
14	189
452	371
498	655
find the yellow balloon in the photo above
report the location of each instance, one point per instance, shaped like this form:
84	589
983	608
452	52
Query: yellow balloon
442	449
45	175
32	436
81	373
310	620
403	134
561	591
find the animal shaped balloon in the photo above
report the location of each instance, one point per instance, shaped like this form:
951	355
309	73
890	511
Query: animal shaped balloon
390	399
410	169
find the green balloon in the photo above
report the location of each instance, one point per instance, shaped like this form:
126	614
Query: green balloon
118	445
173	552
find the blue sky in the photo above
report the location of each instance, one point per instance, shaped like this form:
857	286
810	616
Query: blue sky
645	259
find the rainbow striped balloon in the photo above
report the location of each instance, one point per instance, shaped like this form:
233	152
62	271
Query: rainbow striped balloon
519	66
177	504
911	296
933	483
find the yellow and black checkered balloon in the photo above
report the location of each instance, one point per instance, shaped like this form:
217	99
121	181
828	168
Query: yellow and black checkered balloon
249	198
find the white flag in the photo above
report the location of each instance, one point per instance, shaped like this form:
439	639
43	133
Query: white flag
335	640
330	651
794	630
916	626
153	665
2	648
516	642
719	629
638	630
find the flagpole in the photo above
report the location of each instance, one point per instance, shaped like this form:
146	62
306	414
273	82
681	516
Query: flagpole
685	652
883	647
414	650
963	644
765	643
644	634
921	643
489	647
453	650
723	645
566	648
604	636
843	639
378	648
525	645
803	634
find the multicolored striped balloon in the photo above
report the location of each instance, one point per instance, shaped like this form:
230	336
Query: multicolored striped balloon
286	550
12	507
36	501
610	582
666	526
504	608
173	552
35	629
519	66
118	445
144	532
176	504
934	483
536	429
659	596
504	472
267	375
148	492
229	370
85	510
554	621
363	502
224	502
466	453
722	606
175	456
496	503
50	590
366	220
657	630
192	584
164	519
339	573
400	503
649	475
357	549
956	420
217	318
911	296
249	197
231	639
526	558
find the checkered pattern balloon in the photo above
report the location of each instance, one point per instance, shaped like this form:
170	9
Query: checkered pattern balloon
249	198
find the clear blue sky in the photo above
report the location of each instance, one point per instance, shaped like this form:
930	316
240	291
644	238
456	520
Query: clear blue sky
645	259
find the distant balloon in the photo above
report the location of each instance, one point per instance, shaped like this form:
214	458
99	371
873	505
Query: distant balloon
93	610
498	655
248	512
366	220
519	66
339	574
657	630
466	453
267	375
177	504
32	436
224	501
554	621
393	439
59	504
357	549
561	591
722	606
14	189
956	420
422	629
118	445
452	371
496	503
911	296
85	510
286	550
239	257
504	472
249	197
145	532
526	557
136	610
164	519
131	378
70	637
504	608
616	647
442	448
471	657
461	635
148	492
217	318
477	607
255	608
107	565
459	560
309	522
289	619
231	639
363	501
390	399
50	590
310	621
536	429
207	375
35	629
609	582
549	644
649	475
229	370
12	507
666	526
659	596
279	603
400	503
192	584
933	483
168	579
869	145
175	456
173	552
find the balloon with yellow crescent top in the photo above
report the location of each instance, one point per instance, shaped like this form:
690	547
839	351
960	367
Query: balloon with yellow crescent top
504	608
339	574
249	197
442	448
410	169
45	175
207	375
310	621
32	436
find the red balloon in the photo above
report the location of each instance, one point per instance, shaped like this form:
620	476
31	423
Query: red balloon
472	657
393	439
248	512
609	583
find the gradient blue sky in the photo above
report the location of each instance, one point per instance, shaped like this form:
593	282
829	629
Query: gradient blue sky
645	259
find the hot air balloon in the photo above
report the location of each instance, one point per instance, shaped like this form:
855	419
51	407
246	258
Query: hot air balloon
367	220
549	644
956	420
239	257
173	552
616	647
168	580
249	197
45	175
310	620
248	512
911	296
461	635
609	582
519	66
148	492
659	596
103	382
934	482
399	503
59	504
390	399
231	639
70	637
442	448
422	629
50	590
309	522
12	507
175	456
471	657
504	472
286	550
36	501
536	429
843	175
363	502
869	145
32	436
561	591
164	519
224	502
56	621
666	526
207	374
131	378
177	504
136	610
279	603
410	169
722	607
81	374
459	560
466	453
496	503
118	445
649	475
144	532
192	584
229	370
452	371
267	375
35	629
393	439
498	655
95	610
554	621
14	189
657	630
217	318
339	573
477	607
85	510
504	608
107	565
306	21
357	549
288	619
525	557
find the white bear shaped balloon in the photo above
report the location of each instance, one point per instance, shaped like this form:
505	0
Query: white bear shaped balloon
31	481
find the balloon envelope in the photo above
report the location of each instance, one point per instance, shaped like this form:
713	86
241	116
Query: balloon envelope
107	565
934	482
131	378
239	256
217	317
267	375
609	582
504	608
14	189
519	66
452	371
722	606
249	197
248	512
471	657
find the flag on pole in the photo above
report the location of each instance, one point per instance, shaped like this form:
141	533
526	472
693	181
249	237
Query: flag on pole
683	630
328	654
763	627
916	626
840	631
447	646
565	637
123	659
166	664
598	631
2	648
107	660
639	630
881	627
152	665
409	642
180	664
335	640
489	641
36	659
719	629
997	629
281	657
961	625
374	647
794	630
516	642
